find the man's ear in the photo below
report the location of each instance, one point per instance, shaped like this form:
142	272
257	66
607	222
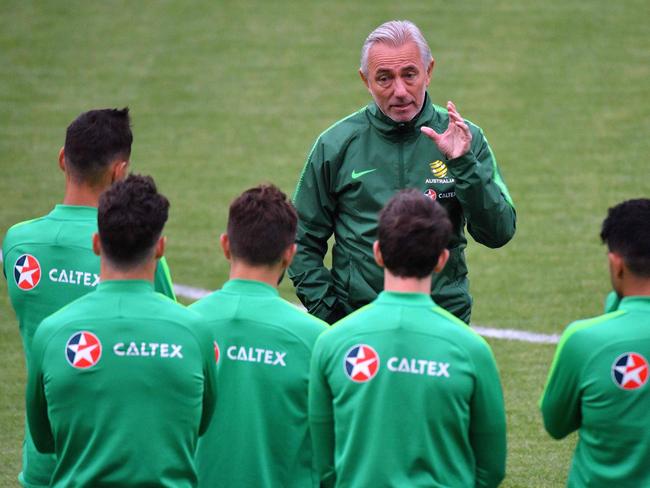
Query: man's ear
430	70
97	245
442	260
364	78
119	171
225	245
62	159
379	259
160	247
616	266
288	254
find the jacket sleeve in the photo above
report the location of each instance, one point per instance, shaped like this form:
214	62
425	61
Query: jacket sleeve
561	400
488	421
482	193
36	402
315	205
163	279
321	421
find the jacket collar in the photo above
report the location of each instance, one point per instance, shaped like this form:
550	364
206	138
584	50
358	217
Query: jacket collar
400	130
73	212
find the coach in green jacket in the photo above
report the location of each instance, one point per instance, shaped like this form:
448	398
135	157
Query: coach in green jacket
401	140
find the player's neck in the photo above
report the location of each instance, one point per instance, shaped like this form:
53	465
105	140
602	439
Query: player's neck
81	195
144	271
635	287
406	285
266	274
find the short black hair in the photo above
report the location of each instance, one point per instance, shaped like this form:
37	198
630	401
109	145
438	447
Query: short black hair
130	219
626	231
94	140
261	225
413	231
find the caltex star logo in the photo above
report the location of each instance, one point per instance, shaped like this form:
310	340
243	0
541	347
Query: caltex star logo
630	371
216	352
27	272
431	193
361	363
83	350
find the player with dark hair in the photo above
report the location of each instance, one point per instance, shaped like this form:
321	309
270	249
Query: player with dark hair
403	393
49	261
259	436
122	381
598	381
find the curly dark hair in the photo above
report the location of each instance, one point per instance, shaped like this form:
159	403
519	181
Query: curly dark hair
413	231
626	231
130	218
261	225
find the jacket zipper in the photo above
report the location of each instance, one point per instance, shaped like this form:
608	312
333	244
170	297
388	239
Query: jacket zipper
401	165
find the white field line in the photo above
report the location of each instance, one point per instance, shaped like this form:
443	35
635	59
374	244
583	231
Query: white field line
194	293
517	335
190	292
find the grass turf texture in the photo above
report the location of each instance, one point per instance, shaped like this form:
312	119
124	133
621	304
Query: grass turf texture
225	95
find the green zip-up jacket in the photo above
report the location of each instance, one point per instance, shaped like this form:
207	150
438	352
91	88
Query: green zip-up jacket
49	262
598	385
404	394
259	436
353	169
121	385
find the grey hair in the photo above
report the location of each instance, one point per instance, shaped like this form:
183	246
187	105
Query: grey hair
395	33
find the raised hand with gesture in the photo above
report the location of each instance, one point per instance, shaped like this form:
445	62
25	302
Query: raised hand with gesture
455	141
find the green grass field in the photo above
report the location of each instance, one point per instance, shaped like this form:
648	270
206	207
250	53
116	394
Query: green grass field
227	94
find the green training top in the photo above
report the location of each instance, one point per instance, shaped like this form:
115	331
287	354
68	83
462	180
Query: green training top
598	385
259	436
402	393
352	171
121	385
49	262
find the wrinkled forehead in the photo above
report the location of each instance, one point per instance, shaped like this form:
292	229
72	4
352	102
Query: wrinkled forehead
386	57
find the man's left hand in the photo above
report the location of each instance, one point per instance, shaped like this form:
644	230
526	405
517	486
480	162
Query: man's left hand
455	141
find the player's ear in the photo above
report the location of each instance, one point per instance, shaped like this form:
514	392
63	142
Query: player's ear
379	259
160	247
62	159
97	245
225	245
430	70
616	266
364	78
119	171
617	271
442	260
288	254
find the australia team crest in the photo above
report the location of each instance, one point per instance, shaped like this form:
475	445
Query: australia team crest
630	371
361	363
27	272
83	350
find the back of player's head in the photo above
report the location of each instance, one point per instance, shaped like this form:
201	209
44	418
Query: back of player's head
261	225
626	231
94	140
130	219
413	231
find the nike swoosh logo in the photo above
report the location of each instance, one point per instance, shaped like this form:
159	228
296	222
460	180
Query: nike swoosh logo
356	175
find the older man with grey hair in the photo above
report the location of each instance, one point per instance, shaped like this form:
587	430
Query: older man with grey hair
400	140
